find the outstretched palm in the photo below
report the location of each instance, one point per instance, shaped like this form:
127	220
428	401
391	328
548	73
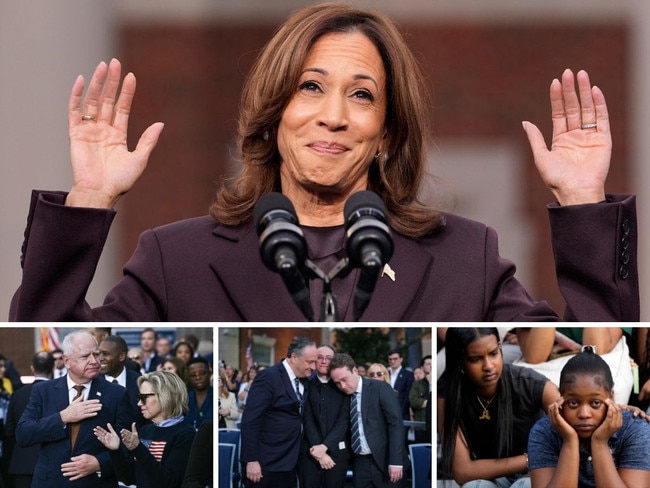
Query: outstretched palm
103	168
575	168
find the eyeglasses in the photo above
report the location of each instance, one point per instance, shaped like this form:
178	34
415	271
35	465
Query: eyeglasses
143	397
325	358
372	374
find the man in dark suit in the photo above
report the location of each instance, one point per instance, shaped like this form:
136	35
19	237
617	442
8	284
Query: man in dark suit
401	380
150	357
112	363
61	415
23	459
325	451
379	454
272	421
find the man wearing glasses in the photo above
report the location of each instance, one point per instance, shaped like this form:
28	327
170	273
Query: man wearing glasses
401	379
59	367
324	453
62	413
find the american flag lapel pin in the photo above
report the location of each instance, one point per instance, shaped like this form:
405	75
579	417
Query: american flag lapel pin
388	271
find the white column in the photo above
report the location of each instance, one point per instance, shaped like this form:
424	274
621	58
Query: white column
44	45
640	142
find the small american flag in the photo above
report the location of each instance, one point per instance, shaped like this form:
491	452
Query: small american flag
157	448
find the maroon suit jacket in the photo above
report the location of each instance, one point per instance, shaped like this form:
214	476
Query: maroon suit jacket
199	270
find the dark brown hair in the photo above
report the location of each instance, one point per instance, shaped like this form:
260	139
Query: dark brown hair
396	175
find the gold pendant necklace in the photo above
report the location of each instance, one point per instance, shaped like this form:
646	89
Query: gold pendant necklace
485	415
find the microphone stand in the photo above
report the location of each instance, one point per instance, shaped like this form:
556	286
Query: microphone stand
328	310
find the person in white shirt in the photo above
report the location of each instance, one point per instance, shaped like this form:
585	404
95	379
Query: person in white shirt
112	362
59	367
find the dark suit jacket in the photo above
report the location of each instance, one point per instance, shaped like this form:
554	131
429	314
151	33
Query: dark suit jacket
403	385
132	392
155	361
271	424
326	419
41	424
383	424
454	275
23	459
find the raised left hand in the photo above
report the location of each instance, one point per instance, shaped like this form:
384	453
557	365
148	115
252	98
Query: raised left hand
576	167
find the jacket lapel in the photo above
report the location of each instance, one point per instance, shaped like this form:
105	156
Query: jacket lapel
62	398
395	300
257	293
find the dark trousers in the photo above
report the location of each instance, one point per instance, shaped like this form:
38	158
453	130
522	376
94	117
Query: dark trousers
271	479
21	481
311	475
366	474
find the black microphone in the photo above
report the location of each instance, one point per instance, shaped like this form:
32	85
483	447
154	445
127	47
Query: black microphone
369	243
283	247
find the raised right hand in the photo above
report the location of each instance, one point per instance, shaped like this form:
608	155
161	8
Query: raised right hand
103	168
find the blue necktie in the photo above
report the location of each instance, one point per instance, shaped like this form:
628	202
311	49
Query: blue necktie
354	424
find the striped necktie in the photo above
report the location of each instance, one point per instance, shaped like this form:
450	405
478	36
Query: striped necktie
301	399
354	424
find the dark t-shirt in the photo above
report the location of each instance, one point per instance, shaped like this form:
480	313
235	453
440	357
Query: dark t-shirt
527	388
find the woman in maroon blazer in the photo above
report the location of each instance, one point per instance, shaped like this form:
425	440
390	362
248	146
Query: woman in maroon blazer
332	106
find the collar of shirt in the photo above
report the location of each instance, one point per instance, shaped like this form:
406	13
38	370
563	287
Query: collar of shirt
360	387
170	421
393	376
121	378
72	392
292	376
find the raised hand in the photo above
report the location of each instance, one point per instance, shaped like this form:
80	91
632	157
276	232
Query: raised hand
108	438
130	438
576	167
103	168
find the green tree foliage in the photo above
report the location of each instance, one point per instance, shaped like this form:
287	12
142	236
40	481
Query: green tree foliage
363	344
